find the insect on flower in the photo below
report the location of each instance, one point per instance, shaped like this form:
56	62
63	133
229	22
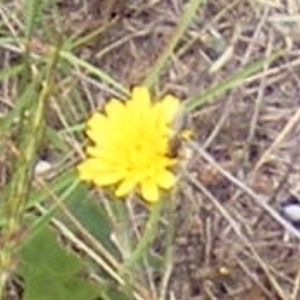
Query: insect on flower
181	134
134	146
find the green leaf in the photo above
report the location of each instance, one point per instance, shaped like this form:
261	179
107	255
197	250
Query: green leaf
111	293
52	272
11	71
60	185
90	213
65	192
32	13
24	100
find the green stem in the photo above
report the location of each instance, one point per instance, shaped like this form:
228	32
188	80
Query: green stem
15	196
123	227
148	235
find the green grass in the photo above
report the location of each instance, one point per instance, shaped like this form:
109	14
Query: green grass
57	232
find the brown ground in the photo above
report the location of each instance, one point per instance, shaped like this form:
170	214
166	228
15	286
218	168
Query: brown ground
252	132
212	261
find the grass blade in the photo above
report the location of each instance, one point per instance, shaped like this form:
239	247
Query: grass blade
232	81
184	23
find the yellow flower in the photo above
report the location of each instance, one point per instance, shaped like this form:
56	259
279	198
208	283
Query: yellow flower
130	144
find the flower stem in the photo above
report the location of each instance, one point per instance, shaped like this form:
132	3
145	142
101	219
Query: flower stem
28	139
148	235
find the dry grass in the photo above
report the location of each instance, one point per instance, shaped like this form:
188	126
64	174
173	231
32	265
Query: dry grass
228	246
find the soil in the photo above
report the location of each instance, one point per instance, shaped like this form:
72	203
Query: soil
240	251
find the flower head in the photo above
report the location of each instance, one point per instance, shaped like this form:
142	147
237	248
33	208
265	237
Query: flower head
130	144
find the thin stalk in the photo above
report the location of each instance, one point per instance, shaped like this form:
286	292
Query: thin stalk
148	235
185	21
30	131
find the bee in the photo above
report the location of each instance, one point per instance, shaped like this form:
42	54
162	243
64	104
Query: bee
181	134
175	146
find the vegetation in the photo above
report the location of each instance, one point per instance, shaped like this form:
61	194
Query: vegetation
218	234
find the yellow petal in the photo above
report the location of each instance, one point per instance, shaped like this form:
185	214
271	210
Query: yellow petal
141	93
108	178
141	101
97	127
130	142
165	179
88	168
169	107
125	187
96	136
114	109
102	154
97	120
93	151
149	191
